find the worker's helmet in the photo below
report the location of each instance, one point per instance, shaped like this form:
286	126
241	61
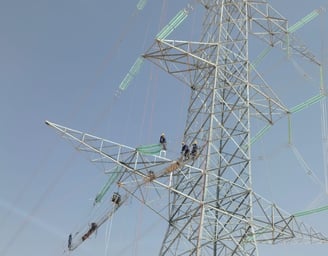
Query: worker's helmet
163	134
195	142
182	143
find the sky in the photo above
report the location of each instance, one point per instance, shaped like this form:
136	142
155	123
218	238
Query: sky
63	61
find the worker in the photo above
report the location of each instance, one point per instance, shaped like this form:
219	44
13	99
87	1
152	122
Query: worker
162	141
92	229
116	198
151	175
69	241
185	151
194	150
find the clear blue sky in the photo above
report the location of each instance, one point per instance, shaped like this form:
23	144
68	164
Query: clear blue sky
64	60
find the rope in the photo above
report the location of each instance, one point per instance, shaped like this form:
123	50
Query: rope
323	103
305	166
37	206
135	68
108	233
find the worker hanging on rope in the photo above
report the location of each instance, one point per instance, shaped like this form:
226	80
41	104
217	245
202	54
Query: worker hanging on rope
92	229
116	198
194	150
151	176
69	241
162	141
185	151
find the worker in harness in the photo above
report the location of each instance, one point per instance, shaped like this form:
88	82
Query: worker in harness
194	150
185	151
162	141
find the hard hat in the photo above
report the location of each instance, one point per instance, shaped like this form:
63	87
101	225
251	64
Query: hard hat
182	143
163	134
195	142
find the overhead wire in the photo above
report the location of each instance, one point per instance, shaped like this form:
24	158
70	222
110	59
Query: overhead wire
305	166
152	226
324	112
133	71
135	68
28	183
141	3
321	97
37	206
108	234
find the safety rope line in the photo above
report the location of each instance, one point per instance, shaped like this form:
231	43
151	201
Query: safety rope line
324	128
305	166
108	234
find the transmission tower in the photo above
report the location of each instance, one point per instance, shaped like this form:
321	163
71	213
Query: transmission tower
222	220
212	208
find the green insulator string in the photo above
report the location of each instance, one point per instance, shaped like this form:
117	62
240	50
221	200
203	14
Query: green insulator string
152	149
141	4
131	74
312	211
112	178
307	103
173	24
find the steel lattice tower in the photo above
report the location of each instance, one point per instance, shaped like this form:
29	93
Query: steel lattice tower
223	100
212	208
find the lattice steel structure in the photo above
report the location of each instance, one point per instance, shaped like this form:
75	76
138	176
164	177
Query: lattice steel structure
212	207
223	220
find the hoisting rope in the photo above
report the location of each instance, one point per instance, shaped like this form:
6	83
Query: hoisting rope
108	233
305	166
152	149
127	26
324	128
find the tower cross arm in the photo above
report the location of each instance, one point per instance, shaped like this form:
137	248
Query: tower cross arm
103	151
269	25
273	225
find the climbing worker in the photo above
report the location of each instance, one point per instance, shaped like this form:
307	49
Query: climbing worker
92	229
194	150
116	198
69	241
151	175
185	151
162	141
